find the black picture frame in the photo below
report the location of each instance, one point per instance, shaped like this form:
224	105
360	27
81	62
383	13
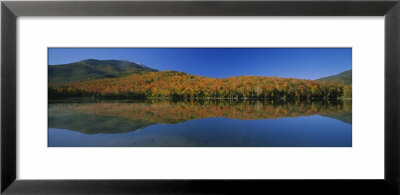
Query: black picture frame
10	10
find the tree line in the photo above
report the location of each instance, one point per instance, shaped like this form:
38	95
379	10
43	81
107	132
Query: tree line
178	85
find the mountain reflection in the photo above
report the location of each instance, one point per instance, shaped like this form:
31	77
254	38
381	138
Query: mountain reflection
92	117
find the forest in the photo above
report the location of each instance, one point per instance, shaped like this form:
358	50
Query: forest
179	85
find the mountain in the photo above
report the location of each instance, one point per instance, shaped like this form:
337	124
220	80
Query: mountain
94	69
344	77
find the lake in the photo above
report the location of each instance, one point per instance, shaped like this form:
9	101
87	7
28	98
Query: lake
199	123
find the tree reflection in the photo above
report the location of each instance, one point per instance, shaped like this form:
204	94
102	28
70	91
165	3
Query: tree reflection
124	116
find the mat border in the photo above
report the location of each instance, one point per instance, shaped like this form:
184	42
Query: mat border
10	10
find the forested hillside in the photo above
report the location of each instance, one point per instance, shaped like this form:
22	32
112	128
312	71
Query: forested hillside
344	77
94	69
173	84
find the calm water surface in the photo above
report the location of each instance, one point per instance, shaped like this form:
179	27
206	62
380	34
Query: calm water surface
84	123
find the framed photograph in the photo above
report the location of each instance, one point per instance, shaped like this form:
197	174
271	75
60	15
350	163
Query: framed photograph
205	97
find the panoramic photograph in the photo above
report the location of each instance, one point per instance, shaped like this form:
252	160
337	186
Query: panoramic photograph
199	97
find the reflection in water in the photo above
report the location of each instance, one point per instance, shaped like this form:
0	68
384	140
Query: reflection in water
199	123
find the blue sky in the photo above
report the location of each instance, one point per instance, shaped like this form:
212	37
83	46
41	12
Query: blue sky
303	63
